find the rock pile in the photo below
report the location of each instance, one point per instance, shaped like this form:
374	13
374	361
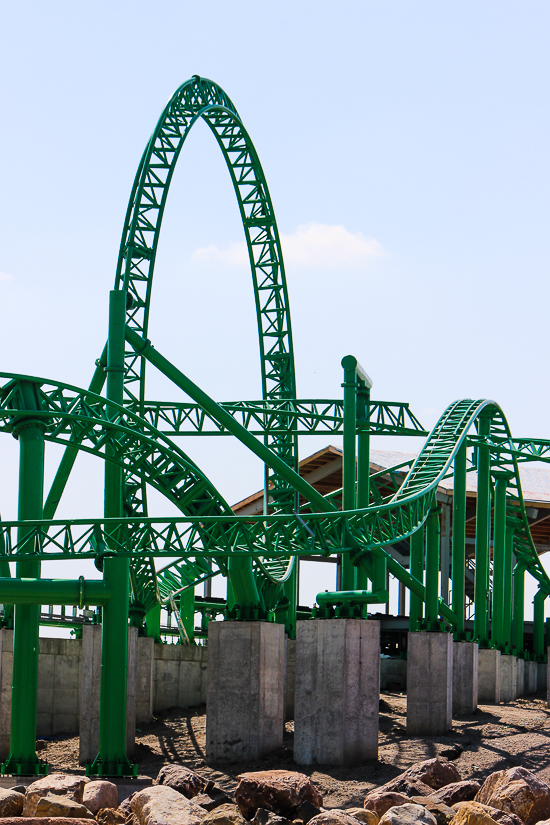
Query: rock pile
429	793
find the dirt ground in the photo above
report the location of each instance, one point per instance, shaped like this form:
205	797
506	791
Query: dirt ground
494	738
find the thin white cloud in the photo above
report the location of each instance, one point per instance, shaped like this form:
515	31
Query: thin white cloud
5	276
312	244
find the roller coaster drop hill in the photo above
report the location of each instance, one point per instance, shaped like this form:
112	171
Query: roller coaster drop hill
256	554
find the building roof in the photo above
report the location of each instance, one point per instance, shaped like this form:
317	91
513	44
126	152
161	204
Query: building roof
323	470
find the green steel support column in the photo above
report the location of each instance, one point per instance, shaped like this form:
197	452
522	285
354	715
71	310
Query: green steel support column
291	593
187	613
432	569
363	468
349	364
152	623
498	636
538	625
483	524
459	541
111	759
417	572
22	758
518	587
508	575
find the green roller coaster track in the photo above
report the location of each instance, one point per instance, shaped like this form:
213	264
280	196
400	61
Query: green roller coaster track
148	562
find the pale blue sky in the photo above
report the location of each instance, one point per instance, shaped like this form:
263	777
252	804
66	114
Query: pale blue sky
421	128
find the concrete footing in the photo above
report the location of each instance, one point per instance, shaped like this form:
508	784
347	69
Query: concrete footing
530	678
508	677
245	695
489	677
542	672
521	678
465	677
337	691
429	683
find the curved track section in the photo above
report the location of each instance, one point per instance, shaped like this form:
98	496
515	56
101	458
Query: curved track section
201	98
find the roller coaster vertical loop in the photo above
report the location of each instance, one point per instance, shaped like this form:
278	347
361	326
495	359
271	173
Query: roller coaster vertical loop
201	98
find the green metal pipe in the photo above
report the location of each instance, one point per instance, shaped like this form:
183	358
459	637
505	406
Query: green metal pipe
499	558
518	607
22	758
146	349
483	524
538	625
187	613
349	363
53	591
459	540
417	572
111	759
508	574
432	568
352	597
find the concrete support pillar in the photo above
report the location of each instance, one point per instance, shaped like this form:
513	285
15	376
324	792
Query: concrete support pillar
508	678
145	679
542	672
465	677
521	678
90	679
6	672
337	691
530	678
489	677
246	683
429	683
290	678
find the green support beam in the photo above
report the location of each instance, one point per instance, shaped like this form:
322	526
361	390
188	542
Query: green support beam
498	630
22	759
483	526
111	759
459	542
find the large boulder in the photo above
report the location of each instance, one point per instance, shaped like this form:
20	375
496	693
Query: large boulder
442	813
54	805
108	816
160	805
225	814
11	802
364	815
436	773
100	794
58	784
182	779
408	814
335	816
125	808
212	799
381	801
46	820
517	791
279	791
501	817
470	813
458	792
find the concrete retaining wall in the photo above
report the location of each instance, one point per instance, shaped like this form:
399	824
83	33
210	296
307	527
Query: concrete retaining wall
179	676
